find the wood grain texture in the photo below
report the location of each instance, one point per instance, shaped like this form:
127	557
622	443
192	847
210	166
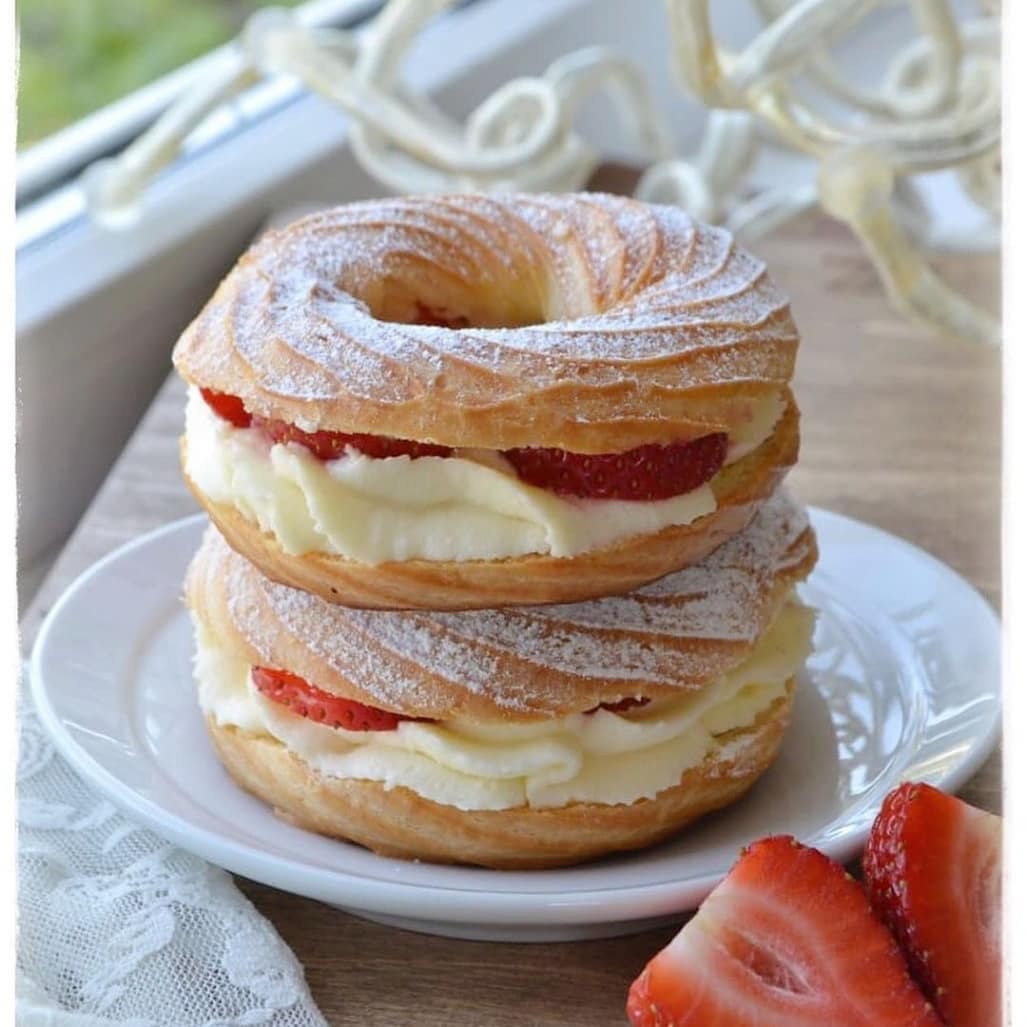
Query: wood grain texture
899	429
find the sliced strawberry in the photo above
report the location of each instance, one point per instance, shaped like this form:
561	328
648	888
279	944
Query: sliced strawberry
425	315
787	939
228	407
646	473
330	445
933	872
630	703
326	445
309	701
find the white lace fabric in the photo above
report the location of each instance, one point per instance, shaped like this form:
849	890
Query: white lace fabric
117	926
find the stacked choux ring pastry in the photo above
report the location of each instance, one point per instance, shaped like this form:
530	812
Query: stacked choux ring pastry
458	402
499	569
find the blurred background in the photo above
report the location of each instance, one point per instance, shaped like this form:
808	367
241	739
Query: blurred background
80	55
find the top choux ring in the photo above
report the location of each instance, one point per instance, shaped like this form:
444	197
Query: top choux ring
451	402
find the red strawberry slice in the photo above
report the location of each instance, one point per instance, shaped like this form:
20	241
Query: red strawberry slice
330	445
325	445
787	939
646	473
228	407
425	315
309	701
630	703
933	872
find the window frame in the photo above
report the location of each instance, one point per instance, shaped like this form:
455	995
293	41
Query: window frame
98	309
53	161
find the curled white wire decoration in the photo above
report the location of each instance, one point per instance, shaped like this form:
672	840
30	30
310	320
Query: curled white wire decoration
936	106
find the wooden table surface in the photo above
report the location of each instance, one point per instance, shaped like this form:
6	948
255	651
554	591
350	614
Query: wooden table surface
899	429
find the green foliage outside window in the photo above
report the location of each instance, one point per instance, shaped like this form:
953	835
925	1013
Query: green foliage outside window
79	55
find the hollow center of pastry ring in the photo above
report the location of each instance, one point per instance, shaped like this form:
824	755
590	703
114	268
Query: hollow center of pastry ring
433	310
440	298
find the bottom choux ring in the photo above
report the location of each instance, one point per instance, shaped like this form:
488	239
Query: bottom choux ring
398	823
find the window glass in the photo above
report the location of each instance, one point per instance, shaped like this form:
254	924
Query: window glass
79	55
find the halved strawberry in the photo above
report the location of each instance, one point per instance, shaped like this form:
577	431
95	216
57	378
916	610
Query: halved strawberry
933	872
646	473
330	445
308	700
785	940
228	407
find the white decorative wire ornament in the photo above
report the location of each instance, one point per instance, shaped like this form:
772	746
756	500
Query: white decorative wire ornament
937	106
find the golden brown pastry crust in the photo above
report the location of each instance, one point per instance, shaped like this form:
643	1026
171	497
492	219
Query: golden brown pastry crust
739	488
517	664
399	823
605	324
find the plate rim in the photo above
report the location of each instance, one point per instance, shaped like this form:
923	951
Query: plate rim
445	902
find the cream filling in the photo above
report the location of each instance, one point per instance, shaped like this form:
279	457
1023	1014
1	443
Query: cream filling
754	432
468	506
599	757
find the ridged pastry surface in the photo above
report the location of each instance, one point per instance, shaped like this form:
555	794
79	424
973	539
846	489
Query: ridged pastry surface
680	632
594	323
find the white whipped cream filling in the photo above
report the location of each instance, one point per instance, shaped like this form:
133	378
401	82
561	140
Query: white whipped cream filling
600	757
754	432
468	506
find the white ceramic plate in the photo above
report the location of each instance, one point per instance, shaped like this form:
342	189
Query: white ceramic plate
904	683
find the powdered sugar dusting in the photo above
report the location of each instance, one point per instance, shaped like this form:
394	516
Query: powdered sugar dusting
623	282
676	632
